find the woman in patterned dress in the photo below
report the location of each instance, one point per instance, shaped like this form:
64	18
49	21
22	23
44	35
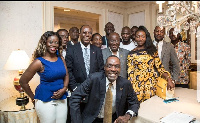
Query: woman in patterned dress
142	62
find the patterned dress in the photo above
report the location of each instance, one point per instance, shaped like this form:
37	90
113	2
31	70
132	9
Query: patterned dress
184	55
142	74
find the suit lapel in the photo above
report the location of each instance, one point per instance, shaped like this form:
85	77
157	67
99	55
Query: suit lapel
103	87
164	48
119	89
92	57
120	53
108	53
79	55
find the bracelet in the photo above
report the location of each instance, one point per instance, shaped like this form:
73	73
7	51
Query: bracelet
167	77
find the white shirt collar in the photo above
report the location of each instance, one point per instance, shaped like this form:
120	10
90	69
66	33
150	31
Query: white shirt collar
107	83
82	46
117	52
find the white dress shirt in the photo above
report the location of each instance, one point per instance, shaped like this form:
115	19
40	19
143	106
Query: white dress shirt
160	44
114	54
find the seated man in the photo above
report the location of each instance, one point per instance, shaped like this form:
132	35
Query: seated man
124	104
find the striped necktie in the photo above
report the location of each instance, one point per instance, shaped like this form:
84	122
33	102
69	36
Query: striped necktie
87	61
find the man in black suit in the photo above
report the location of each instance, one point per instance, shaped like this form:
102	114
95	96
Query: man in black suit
75	59
124	105
109	28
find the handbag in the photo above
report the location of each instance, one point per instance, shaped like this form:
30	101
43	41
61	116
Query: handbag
161	89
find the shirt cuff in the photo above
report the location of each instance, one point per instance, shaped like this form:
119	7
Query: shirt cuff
131	112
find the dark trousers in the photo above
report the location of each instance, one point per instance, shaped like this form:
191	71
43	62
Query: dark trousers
68	114
100	120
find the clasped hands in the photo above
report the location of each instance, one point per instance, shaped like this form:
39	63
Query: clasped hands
58	94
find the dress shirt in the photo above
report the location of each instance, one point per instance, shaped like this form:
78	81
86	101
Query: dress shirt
160	44
113	89
83	50
117	52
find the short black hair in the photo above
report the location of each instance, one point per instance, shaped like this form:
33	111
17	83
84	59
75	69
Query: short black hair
62	30
111	56
95	34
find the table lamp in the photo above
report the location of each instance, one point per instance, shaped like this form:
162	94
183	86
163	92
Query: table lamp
18	60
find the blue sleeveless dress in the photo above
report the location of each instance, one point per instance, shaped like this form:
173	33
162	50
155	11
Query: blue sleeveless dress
51	80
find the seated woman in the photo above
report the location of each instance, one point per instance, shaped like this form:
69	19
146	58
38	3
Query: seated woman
141	63
97	40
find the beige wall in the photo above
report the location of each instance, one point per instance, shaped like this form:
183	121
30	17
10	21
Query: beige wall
21	26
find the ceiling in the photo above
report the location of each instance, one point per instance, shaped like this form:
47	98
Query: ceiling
58	11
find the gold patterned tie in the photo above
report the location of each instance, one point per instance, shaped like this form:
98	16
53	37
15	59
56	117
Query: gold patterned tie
108	106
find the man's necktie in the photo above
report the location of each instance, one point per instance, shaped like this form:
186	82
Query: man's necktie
157	46
108	106
87	61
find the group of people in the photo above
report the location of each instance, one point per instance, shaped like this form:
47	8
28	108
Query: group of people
76	77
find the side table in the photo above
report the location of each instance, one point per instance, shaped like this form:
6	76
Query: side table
10	112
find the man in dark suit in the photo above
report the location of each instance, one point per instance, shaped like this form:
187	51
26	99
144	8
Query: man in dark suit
114	49
74	35
124	105
109	28
75	58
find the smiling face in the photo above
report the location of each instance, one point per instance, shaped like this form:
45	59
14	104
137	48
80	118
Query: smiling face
114	41
112	68
52	44
86	35
97	40
140	38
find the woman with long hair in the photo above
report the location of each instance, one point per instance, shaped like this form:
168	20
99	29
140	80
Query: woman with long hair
50	95
142	62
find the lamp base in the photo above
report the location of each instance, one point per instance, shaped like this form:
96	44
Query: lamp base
22	102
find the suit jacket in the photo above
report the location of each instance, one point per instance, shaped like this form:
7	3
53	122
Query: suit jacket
95	87
76	65
168	54
123	53
104	41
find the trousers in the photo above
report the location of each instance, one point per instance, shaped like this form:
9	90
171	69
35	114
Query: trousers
54	111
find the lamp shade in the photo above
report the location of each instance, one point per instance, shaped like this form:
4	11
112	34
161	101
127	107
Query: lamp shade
17	60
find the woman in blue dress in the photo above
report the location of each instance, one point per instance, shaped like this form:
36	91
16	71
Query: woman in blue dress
50	95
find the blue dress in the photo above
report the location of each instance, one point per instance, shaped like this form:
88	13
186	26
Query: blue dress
51	80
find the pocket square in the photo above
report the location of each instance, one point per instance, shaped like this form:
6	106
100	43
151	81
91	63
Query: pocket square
121	89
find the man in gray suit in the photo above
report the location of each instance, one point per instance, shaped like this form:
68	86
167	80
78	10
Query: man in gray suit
166	53
113	49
